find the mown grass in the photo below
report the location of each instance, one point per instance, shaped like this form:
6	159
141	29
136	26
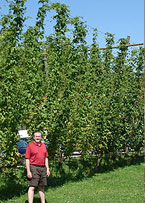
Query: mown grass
124	185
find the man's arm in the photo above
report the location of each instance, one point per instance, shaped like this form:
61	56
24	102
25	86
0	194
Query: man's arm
47	166
29	174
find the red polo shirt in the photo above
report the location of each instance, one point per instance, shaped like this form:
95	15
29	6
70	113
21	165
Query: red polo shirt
36	153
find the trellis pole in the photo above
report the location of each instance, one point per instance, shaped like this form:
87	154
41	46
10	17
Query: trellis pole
127	45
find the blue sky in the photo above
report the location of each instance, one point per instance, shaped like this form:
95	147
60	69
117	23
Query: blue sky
119	17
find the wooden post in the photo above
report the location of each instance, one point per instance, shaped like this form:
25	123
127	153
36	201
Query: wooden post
128	45
144	83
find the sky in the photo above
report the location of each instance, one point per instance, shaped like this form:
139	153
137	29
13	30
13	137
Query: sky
119	17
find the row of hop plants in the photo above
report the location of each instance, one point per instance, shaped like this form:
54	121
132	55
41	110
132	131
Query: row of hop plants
84	98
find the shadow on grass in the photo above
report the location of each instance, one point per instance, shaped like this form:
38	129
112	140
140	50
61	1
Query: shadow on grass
12	184
74	170
113	162
86	168
36	200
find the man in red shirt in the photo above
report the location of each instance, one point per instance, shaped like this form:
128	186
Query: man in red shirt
37	167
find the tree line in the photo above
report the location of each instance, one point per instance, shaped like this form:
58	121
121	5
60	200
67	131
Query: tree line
84	98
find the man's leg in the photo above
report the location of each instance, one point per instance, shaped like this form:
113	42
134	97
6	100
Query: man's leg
41	193
31	194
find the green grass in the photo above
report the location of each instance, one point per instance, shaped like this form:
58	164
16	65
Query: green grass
123	185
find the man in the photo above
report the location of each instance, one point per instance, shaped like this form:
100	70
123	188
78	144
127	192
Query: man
37	167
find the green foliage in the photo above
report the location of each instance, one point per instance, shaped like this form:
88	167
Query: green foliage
82	97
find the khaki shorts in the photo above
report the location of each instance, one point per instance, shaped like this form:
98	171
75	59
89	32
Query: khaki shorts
39	176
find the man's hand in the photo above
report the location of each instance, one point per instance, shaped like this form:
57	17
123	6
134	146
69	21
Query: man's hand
29	175
48	172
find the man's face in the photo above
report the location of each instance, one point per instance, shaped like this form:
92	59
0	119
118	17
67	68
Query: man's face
37	137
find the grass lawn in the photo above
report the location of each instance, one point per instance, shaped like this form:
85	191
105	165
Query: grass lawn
124	185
